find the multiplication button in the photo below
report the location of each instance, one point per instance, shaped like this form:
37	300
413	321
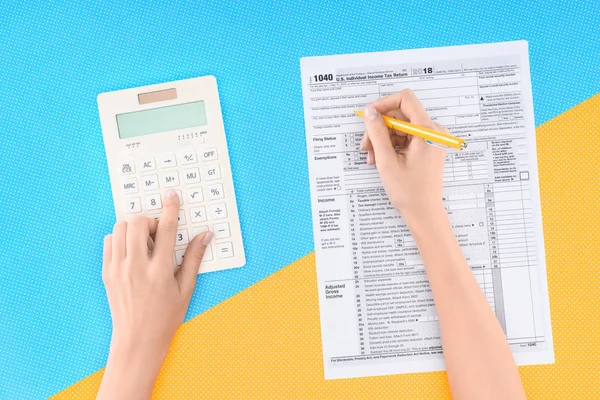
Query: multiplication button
198	214
224	250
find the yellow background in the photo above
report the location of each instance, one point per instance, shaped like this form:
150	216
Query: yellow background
265	342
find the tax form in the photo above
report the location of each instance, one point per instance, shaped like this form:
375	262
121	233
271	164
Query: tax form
377	313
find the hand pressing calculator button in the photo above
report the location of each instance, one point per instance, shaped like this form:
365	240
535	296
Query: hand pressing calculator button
185	151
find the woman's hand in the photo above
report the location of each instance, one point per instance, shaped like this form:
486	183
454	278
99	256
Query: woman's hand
148	300
413	176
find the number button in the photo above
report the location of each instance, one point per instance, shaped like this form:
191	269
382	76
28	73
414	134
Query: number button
224	250
182	237
218	211
215	192
222	230
134	205
127	167
194	195
130	186
153	202
147	165
180	196
188	157
198	214
181	217
167	161
191	175
170	179
209	154
212	172
150	182
198	230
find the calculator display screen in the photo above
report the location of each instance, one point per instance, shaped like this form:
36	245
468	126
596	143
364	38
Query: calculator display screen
162	119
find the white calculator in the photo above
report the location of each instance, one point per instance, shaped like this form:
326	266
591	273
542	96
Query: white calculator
171	136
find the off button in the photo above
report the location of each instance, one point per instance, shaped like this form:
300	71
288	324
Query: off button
210	154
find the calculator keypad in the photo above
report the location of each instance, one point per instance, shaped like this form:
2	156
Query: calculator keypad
195	177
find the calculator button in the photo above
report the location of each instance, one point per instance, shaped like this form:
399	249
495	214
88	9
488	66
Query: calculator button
208	254
191	175
222	230
181	217
182	237
224	250
150	182
127	167
180	196
218	211
170	179
167	160
209	154
194	195
130	186
133	205
179	256
188	157
153	202
214	192
198	230
212	172
147	165
198	214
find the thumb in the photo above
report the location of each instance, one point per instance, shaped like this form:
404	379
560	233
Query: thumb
379	134
186	276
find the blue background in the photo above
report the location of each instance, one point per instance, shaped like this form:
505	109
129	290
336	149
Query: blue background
56	205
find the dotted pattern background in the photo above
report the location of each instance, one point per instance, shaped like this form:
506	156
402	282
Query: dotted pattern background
55	207
265	342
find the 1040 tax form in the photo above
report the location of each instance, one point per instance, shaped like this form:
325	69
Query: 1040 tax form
377	313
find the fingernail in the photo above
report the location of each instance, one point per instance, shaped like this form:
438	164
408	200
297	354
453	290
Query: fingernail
370	113
207	238
170	193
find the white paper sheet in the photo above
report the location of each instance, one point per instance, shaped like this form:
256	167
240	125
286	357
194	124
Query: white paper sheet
377	314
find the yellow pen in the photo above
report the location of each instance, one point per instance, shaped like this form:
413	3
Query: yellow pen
429	135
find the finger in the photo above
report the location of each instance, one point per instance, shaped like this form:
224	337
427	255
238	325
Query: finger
379	135
119	244
166	230
370	157
409	106
137	236
186	276
106	252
